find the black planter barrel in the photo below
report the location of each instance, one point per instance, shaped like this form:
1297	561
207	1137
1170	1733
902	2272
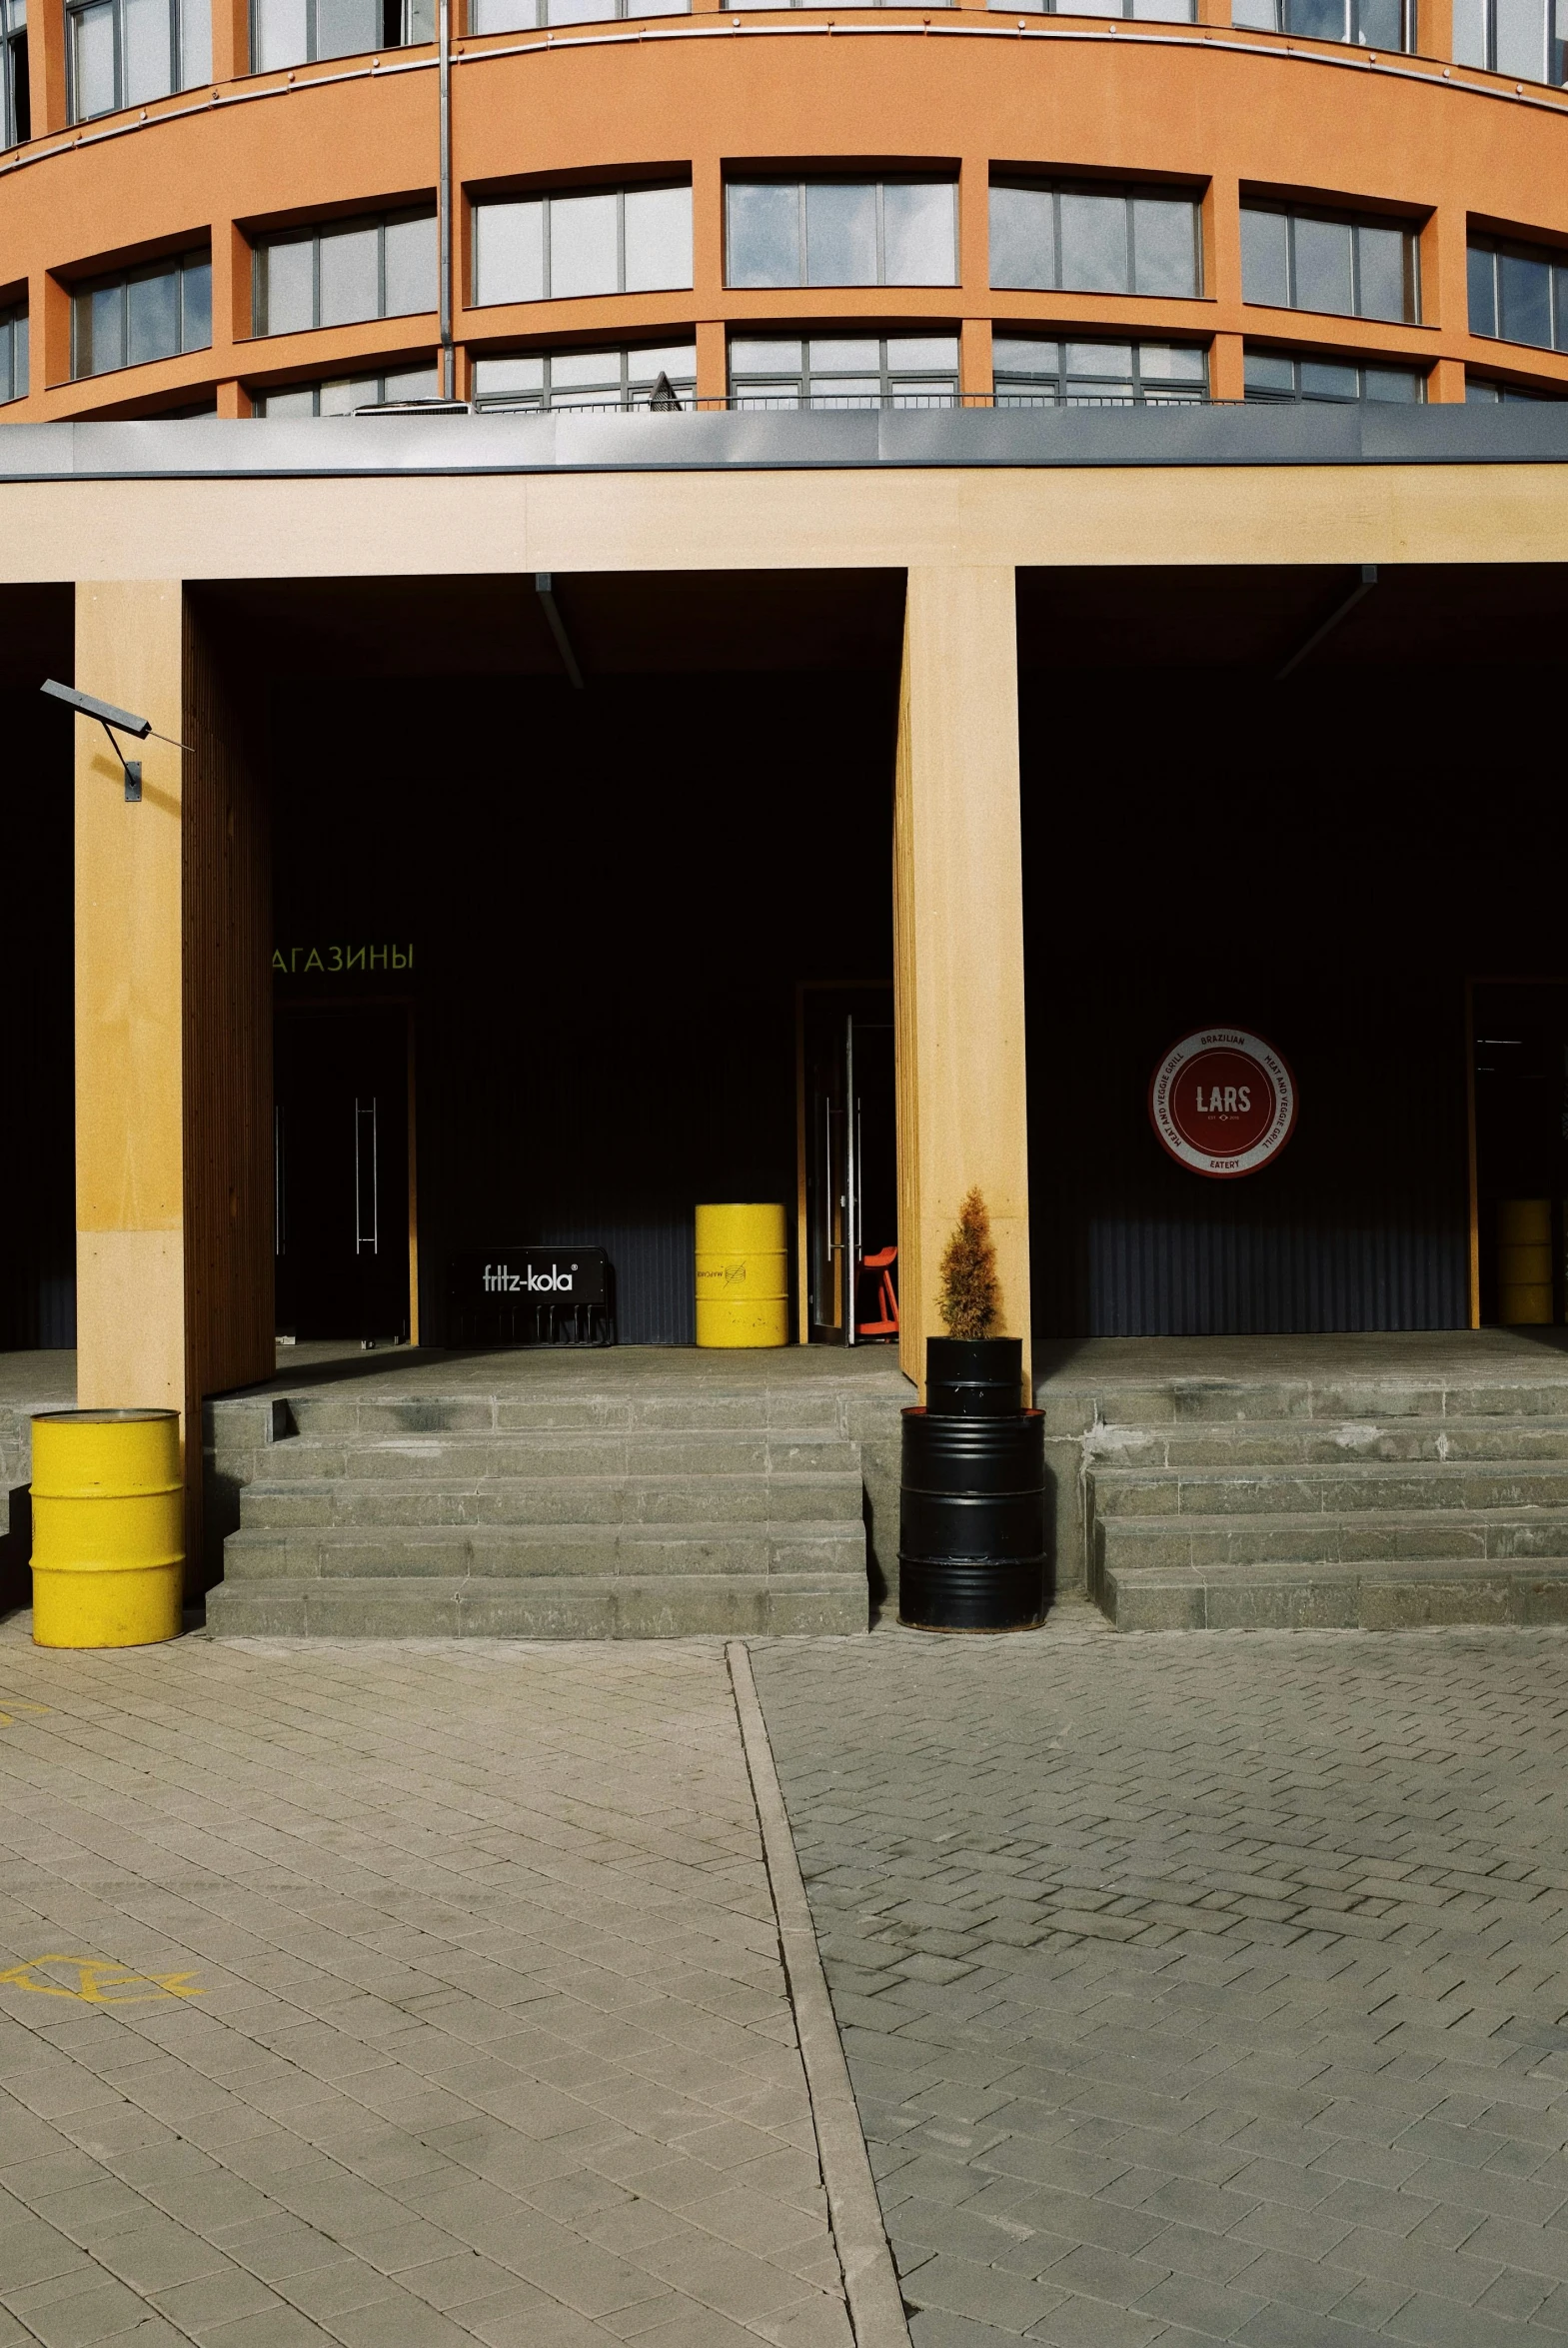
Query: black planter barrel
972	1537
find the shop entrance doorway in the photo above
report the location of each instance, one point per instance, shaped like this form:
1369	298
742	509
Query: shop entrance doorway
1519	1189
342	1167
848	1161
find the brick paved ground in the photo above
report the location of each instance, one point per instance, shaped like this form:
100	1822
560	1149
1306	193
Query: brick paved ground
491	2041
1199	1988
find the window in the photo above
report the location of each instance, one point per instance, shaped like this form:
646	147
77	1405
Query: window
151	313
342	397
1095	240
841	232
1371	24
1480	389
298	32
608	241
338	274
1314	261
1276	375
1147	11
123	52
1519	292
1030	372
583	379
13	355
15	110
1525	38
845	370
522	16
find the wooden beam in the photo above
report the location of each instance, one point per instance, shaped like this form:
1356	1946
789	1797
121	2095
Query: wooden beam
958	941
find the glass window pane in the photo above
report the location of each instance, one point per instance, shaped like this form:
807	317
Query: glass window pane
1521	39
1018	355
1323	280
1478	389
503	16
147	62
522	371
1023	238
195	43
1524	300
349	275
1164	245
299	402
1470	32
914	352
658	238
846	391
1315	20
1391	383
411	266
841	233
1171	363
1383	258
1095	244
677	360
1266	265
583	246
584	367
761	233
920	391
1166	11
106	328
1269	375
1483	292
1560	305
844	354
196	305
19	359
578	11
279	34
91	62
1380	24
1255	16
289	297
1328	379
508	252
920	233
345	27
1105	362
340	398
154	325
775	356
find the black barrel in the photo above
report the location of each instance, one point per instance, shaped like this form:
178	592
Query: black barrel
973	1377
972	1540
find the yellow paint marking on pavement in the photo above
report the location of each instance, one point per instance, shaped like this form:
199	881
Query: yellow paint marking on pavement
98	1981
10	1705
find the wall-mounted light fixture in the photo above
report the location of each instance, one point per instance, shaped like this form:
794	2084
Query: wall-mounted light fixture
113	721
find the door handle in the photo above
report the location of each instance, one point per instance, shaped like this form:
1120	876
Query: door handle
367	1184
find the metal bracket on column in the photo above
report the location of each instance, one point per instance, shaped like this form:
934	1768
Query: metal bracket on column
1346	605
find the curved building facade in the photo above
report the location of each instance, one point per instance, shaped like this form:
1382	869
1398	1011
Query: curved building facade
241	214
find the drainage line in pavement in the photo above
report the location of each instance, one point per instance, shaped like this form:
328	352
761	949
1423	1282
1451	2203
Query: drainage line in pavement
876	2312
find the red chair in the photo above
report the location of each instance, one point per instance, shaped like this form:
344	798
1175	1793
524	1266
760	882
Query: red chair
886	1295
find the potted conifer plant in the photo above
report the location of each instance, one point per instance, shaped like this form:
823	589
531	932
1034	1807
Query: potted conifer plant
971	1535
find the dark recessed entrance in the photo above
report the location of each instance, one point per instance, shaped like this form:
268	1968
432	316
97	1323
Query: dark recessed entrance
342	1159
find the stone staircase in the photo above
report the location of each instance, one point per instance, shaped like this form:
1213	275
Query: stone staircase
1276	1506
595	1515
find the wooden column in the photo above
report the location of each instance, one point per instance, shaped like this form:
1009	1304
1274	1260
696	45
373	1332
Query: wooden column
173	1038
958	941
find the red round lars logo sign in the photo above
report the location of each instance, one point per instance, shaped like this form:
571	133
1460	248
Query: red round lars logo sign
1224	1103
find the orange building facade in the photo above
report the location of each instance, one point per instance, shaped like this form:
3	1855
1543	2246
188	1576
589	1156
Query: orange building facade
1346	204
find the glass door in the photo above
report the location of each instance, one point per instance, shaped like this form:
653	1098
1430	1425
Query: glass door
848	1165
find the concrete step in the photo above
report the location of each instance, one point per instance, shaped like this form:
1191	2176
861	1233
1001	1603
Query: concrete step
1389	1597
605	1606
1318	1442
1186	1402
680	1408
1360	1538
275	1502
491	1552
1342	1487
649	1451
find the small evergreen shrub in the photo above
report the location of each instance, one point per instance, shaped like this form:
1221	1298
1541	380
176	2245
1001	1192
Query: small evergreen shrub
971	1300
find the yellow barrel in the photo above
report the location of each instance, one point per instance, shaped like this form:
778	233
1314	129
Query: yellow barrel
742	1275
1524	1261
108	1529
